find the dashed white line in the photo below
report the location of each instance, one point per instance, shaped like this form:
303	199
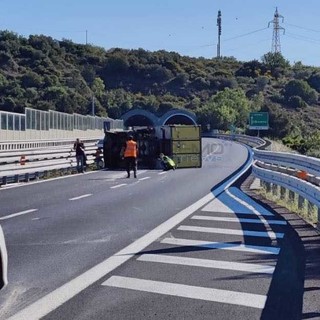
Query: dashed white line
145	178
186	291
206	263
164	172
56	298
118	186
18	214
81	197
262	234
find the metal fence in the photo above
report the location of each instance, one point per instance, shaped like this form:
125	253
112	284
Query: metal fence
38	124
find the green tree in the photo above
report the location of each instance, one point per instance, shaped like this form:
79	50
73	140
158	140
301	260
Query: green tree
251	69
301	89
275	62
98	87
54	93
314	81
227	107
31	79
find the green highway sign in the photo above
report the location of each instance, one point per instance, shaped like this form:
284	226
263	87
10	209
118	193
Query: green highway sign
259	121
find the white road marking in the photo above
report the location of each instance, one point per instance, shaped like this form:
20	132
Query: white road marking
218	206
240	220
206	263
18	214
118	186
56	298
191	292
221	245
9	186
261	234
247	201
145	178
164	172
26	184
81	197
262	212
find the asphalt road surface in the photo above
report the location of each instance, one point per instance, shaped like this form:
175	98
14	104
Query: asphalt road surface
167	245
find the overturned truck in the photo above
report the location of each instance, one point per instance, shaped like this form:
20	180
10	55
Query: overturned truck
180	142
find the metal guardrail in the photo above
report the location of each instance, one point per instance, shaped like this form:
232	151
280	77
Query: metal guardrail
290	160
307	190
284	169
249	140
40	162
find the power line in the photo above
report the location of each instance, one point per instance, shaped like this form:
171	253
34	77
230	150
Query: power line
235	37
303	28
248	45
245	34
302	38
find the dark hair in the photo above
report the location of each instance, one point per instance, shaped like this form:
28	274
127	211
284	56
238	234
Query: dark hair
130	137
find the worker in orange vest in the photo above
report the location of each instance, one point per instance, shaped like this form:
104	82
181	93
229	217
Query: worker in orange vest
130	156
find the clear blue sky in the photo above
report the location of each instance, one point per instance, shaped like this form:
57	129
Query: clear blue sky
184	26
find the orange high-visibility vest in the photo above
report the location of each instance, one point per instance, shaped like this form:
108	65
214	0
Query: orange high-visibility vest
131	149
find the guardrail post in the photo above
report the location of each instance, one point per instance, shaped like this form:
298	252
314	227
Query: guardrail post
26	177
275	190
268	186
283	192
262	183
16	178
312	212
301	202
291	196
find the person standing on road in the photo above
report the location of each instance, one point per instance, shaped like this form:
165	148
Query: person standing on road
80	155
130	156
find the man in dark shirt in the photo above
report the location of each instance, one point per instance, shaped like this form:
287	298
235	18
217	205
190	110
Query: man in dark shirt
80	155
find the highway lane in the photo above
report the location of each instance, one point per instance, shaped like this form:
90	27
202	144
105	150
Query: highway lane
63	237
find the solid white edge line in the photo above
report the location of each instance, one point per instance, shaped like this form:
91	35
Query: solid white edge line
261	234
48	180
81	197
186	291
118	186
207	263
18	214
272	235
57	297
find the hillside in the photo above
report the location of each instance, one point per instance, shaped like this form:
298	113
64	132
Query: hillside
44	73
